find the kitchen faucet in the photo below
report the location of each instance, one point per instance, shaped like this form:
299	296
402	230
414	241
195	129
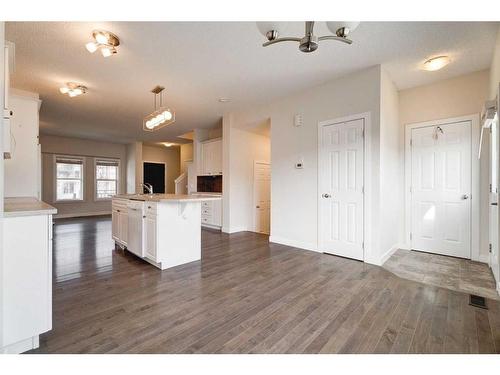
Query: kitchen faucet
148	187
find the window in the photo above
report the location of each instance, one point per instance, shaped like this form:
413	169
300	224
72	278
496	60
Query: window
69	178
106	178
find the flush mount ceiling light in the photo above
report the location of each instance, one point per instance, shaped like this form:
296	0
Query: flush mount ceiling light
309	42
162	116
169	144
104	41
224	100
73	89
436	63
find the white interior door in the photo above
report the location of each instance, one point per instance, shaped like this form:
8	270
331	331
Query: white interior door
262	197
441	189
341	180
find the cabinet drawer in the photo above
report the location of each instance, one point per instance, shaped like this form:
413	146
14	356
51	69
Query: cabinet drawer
150	208
206	220
206	204
206	211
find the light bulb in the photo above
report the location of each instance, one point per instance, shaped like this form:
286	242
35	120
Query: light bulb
64	90
72	93
77	92
91	47
106	51
167	115
343	28
101	38
149	124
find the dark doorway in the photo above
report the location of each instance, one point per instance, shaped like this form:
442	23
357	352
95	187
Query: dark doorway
154	174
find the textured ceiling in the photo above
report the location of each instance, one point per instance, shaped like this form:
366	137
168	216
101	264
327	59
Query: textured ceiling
200	62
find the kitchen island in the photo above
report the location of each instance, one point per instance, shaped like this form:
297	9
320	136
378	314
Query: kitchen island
163	229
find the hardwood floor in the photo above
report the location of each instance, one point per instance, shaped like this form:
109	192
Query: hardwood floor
249	296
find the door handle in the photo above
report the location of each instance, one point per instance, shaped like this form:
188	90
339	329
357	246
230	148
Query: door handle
326	195
465	196
257	206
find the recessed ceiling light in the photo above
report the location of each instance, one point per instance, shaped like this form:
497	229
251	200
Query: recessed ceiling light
224	100
105	41
73	89
436	63
169	144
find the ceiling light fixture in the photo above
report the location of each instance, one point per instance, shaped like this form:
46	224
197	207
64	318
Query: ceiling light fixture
105	41
73	89
168	144
224	100
309	42
162	116
436	63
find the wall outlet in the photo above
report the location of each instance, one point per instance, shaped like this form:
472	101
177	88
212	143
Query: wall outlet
299	165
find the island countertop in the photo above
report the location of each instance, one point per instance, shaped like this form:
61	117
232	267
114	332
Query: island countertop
169	197
26	206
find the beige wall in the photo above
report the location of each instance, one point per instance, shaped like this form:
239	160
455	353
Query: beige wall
459	96
168	155
453	97
186	155
54	145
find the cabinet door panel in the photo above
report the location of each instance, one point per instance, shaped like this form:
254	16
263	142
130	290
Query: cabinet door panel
151	238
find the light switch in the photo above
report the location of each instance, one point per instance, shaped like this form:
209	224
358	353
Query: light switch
298	120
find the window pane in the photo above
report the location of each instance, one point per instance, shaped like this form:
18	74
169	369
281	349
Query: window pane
106	189
69	189
69	170
106	172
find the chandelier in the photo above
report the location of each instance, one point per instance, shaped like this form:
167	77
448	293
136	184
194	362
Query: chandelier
161	116
309	42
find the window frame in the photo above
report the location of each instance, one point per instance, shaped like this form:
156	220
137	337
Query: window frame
82	179
118	174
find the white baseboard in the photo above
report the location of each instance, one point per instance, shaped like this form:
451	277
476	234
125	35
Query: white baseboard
234	229
389	252
83	214
293	243
484	258
21	346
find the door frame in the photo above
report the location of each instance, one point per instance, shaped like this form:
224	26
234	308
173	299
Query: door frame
255	162
367	159
475	182
156	162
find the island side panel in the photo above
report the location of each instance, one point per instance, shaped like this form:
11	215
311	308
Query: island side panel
179	233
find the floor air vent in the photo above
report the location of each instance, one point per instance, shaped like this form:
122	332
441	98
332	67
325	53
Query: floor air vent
478	301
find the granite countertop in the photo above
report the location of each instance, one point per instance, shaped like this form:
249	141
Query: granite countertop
169	197
26	206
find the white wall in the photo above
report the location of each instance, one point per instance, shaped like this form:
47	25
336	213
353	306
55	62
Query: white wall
294	192
134	167
89	149
495	70
168	155
459	96
391	211
22	170
246	147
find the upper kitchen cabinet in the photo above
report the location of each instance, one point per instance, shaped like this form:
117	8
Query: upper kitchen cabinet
211	157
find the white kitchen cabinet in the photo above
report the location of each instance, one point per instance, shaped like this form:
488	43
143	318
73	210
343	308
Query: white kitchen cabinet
151	237
211	214
119	226
27	273
211	157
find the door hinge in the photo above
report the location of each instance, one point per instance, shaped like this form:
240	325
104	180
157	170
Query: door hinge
363	245
411	235
411	142
363	189
491	188
489	248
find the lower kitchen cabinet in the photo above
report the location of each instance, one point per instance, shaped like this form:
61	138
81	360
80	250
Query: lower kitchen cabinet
151	237
211	214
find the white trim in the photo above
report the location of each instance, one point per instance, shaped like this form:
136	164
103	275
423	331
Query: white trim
293	243
367	201
118	179
83	214
254	204
475	180
21	346
234	229
54	178
389	253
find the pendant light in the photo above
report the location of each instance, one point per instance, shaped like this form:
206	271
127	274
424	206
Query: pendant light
161	116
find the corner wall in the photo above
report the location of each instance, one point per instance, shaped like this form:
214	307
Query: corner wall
294	192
